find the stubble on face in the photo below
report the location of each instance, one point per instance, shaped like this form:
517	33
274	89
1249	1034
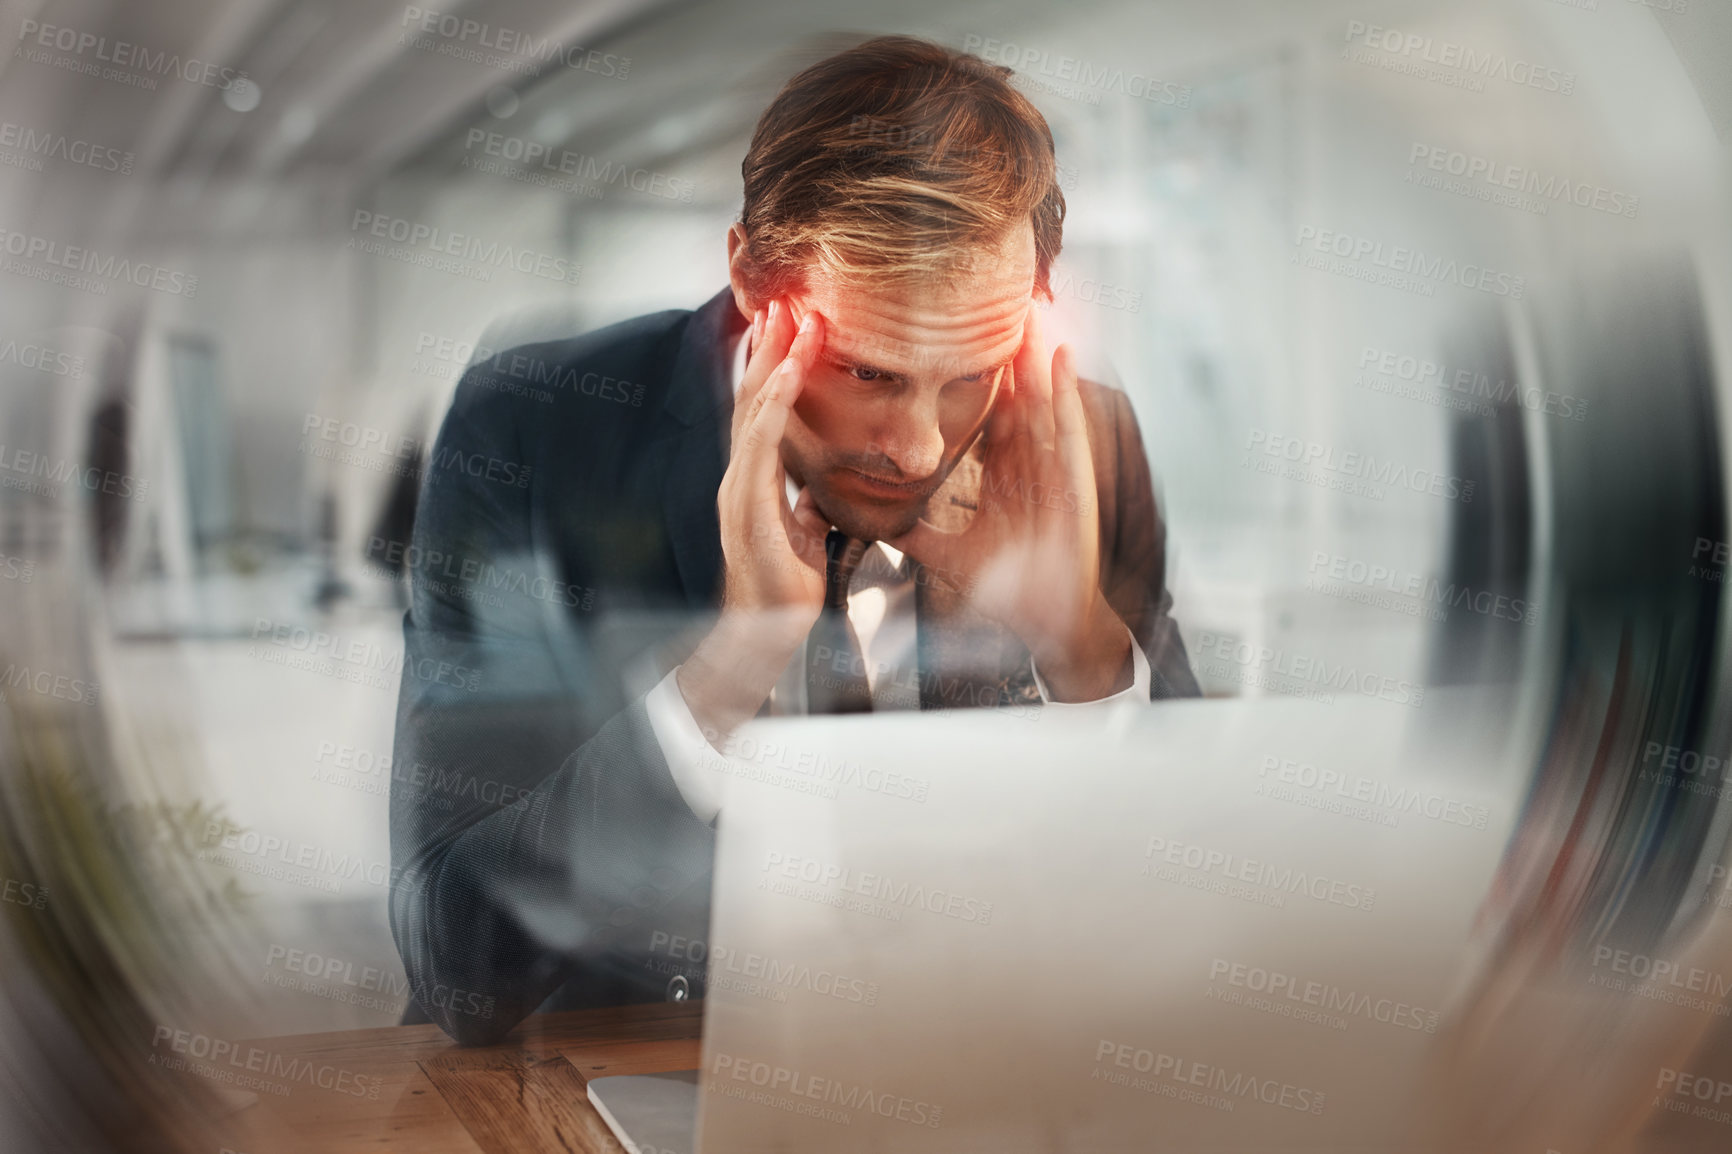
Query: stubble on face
867	523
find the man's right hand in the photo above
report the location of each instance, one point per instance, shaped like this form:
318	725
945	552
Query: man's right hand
773	555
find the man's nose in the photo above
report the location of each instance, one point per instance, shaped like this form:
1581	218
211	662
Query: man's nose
916	446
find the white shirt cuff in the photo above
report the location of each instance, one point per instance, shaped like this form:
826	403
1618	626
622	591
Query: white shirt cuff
1137	691
685	748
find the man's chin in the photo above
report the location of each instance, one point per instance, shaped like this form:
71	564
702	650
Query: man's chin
877	523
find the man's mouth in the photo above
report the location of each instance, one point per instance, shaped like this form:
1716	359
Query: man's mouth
887	485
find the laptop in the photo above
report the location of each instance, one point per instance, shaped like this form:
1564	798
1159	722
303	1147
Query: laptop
1210	925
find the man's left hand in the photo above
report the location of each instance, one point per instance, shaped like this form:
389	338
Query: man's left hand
1031	555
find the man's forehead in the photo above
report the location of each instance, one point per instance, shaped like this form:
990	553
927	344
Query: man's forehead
918	328
971	319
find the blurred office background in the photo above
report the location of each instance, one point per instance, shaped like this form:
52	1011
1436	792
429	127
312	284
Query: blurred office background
1206	148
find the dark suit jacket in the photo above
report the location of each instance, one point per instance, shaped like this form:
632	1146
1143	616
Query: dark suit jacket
566	552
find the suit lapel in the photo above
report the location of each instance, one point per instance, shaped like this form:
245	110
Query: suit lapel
699	406
693	475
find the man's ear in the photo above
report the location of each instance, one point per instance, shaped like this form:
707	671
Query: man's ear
743	299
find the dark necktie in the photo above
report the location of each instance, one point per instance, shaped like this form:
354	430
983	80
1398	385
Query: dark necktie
835	672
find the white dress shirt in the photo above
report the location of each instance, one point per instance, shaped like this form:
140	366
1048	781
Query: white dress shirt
881	610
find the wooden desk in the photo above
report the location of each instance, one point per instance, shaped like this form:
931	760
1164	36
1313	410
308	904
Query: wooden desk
527	1094
524	1096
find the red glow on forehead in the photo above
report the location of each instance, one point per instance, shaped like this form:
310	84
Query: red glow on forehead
908	331
954	324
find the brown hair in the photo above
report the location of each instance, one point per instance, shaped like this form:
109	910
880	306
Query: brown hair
893	159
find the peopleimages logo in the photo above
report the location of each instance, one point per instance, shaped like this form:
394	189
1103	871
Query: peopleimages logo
1327	784
760	975
1400	261
516	51
1418	52
1498	177
35	897
1071	70
233	1062
1662	979
1231	1087
837	881
1720	553
1709	1092
1352	571
337	979
1357	469
434	565
21	468
96	267
1207	860
298	862
1311	671
564	162
1064	283
351	658
34	146
370	448
1674	758
816	765
1290	996
426	242
515	373
799	1092
123	55
377	773
43	359
47	683
1470	383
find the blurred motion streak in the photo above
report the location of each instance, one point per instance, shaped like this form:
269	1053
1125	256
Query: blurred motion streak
1475	476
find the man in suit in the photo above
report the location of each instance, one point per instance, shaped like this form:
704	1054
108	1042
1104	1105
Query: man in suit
856	479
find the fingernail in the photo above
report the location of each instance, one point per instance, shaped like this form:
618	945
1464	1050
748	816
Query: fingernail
757	326
775	311
809	321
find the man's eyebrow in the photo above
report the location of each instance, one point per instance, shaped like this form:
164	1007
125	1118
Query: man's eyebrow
858	363
849	362
987	370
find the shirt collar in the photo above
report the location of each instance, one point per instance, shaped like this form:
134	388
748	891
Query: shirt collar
738	362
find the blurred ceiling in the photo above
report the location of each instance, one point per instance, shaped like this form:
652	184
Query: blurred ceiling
344	97
338	86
